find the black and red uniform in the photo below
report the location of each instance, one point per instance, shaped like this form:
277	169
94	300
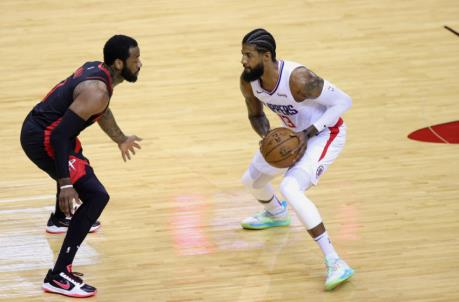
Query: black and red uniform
46	115
51	123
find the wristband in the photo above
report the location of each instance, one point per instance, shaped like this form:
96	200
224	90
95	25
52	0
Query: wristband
66	187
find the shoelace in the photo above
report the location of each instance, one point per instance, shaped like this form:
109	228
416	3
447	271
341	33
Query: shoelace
263	213
74	277
332	266
268	214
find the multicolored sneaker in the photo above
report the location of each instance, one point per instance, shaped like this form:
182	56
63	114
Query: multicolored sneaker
265	219
67	283
337	272
59	226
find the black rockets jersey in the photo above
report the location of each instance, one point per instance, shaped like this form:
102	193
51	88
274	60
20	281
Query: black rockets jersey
51	109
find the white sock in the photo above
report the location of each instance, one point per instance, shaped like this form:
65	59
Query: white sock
273	206
326	246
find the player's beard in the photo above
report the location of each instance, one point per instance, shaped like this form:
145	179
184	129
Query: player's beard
128	75
254	74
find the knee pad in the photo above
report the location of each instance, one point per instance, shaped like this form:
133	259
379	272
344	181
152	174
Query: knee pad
289	185
302	178
247	180
255	179
257	183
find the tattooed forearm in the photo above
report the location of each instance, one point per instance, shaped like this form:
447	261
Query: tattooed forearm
313	87
108	124
260	124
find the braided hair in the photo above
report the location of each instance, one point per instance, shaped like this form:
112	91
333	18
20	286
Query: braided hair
262	40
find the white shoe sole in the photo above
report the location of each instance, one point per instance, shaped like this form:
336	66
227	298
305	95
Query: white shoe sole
61	230
73	293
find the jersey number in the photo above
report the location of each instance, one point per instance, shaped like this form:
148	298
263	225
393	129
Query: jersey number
287	121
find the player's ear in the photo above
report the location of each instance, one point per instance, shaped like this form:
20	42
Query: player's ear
267	56
118	64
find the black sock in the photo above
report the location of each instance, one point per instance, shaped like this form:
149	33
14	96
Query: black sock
76	233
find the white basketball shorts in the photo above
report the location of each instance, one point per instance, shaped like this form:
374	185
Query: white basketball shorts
322	150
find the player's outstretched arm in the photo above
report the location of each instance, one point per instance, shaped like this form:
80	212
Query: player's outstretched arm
257	117
110	127
126	144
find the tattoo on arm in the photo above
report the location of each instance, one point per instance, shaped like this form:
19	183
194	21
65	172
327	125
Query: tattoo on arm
260	124
313	86
108	124
257	117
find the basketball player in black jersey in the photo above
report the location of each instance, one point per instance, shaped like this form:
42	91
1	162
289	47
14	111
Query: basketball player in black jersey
49	139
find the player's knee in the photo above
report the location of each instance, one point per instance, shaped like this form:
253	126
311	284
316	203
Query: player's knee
104	197
254	179
289	185
101	199
302	178
296	180
97	204
247	180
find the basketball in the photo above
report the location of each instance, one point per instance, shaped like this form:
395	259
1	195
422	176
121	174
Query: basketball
280	147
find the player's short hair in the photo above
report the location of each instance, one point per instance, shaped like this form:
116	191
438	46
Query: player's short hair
262	40
117	47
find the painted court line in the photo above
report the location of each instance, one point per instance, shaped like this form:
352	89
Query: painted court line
28	198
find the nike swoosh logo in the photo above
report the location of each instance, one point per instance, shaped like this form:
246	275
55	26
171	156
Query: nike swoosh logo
63	285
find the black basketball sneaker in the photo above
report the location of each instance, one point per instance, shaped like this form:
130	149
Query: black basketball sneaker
67	283
58	225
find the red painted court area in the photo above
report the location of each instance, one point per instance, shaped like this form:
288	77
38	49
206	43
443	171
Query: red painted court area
447	133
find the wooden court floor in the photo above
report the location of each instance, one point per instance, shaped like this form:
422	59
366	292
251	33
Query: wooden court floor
171	230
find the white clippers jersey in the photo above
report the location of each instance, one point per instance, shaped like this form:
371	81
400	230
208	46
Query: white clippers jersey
294	115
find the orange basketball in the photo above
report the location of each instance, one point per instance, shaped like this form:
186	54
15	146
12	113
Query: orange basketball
280	147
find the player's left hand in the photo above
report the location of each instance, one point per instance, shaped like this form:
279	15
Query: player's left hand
310	132
128	146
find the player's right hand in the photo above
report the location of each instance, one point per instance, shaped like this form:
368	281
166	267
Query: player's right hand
129	145
66	198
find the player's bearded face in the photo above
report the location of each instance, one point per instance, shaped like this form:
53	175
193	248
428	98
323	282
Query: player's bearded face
252	74
128	75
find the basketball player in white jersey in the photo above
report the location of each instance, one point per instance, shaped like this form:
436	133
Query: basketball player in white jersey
309	105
